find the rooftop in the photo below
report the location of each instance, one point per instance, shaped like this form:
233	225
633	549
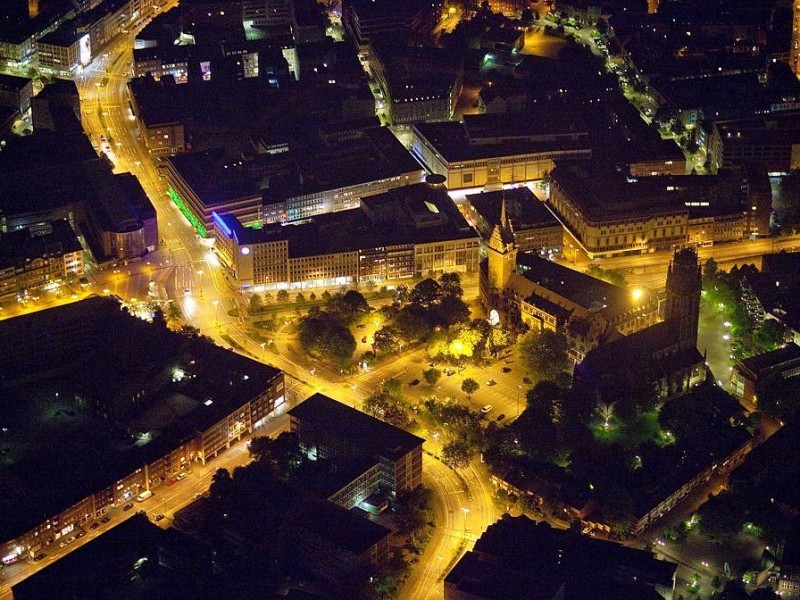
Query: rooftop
339	420
524	210
181	385
20	246
405	215
13	83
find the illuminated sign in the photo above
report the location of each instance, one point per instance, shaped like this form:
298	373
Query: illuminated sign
221	224
85	50
245	250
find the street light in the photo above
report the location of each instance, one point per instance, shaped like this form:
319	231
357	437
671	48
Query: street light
519	387
216	311
465	511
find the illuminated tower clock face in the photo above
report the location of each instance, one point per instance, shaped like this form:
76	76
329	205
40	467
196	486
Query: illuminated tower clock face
245	250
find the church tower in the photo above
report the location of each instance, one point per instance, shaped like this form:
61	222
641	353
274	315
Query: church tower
501	252
684	282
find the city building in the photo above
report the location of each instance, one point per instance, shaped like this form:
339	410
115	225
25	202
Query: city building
530	292
165	558
32	261
610	212
417	84
280	185
63	50
333	431
406	232
565	565
666	352
769	141
533	226
772	293
58	175
492	150
123	426
57	107
368	20
751	373
16	92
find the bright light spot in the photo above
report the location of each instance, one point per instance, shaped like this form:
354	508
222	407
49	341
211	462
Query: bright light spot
726	324
637	294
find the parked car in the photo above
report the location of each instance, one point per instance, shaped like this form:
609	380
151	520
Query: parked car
128	506
106	519
506	369
527	380
80	534
449	372
490	382
159	517
182	475
487	409
414	382
172	480
39	557
94	525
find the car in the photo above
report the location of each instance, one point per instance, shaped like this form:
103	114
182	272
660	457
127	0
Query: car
187	292
182	476
94	525
105	519
487	409
527	380
198	495
490	382
500	417
159	517
364	340
80	534
128	506
70	539
449	372
171	481
62	543
506	369
39	557
414	382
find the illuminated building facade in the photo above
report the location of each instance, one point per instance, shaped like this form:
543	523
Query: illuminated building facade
176	401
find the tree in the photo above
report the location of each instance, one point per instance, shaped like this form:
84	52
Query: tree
721	517
414	510
300	298
544	353
385	340
282	296
312	296
456	454
324	336
221	484
425	293
348	305
281	455
393	387
450	285
769	335
451	310
255	303
469	386
432	376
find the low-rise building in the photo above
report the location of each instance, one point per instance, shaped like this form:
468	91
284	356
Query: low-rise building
31	261
280	185
492	150
330	430
533	226
174	402
64	50
750	373
565	564
771	141
410	231
16	92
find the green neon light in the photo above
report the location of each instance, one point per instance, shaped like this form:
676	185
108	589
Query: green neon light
198	226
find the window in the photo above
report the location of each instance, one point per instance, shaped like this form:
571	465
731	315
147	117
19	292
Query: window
466	178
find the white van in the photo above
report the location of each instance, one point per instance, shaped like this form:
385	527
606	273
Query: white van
144	496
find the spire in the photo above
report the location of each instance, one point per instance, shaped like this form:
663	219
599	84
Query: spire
504	227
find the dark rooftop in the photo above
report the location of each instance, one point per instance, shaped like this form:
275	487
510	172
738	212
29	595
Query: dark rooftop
502	557
524	210
13	83
762	363
183	385
21	245
339	526
341	421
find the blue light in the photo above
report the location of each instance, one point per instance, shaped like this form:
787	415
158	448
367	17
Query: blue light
221	224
